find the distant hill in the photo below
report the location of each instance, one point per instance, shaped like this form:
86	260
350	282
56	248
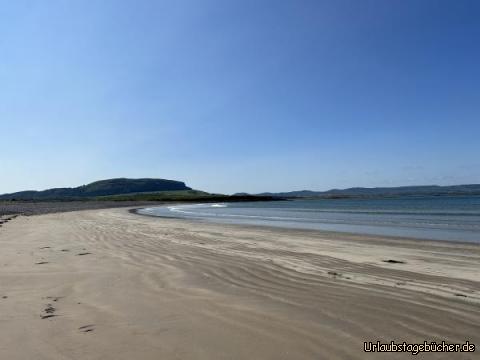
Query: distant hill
426	190
109	187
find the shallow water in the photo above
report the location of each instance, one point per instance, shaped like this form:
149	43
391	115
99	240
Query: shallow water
436	218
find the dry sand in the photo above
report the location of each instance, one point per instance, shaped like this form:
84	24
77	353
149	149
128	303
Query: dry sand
47	207
124	286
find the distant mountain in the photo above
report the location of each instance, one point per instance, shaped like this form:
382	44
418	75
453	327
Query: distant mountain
100	188
426	190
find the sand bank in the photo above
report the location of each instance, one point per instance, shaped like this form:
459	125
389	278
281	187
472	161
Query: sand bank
108	284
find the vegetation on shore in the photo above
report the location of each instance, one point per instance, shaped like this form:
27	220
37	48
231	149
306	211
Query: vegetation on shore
100	188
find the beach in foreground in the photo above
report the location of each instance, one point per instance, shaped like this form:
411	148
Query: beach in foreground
109	284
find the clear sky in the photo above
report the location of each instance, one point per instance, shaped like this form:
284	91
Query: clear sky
233	96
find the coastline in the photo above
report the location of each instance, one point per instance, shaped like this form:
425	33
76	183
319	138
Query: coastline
148	287
332	233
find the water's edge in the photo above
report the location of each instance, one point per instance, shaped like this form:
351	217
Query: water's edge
242	215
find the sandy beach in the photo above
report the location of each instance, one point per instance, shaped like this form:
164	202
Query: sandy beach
110	284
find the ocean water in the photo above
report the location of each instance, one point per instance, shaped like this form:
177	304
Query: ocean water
436	218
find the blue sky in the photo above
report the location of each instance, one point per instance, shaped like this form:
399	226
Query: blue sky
240	95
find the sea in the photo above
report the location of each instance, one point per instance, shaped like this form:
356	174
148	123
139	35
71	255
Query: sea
436	218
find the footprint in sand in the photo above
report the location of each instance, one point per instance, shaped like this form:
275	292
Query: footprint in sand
83	253
87	328
49	312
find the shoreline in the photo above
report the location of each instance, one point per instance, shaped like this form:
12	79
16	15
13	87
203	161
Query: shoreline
306	230
35	208
123	286
32	207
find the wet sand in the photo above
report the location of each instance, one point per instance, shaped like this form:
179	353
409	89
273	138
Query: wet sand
109	284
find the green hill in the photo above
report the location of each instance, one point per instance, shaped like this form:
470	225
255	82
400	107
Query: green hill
101	188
